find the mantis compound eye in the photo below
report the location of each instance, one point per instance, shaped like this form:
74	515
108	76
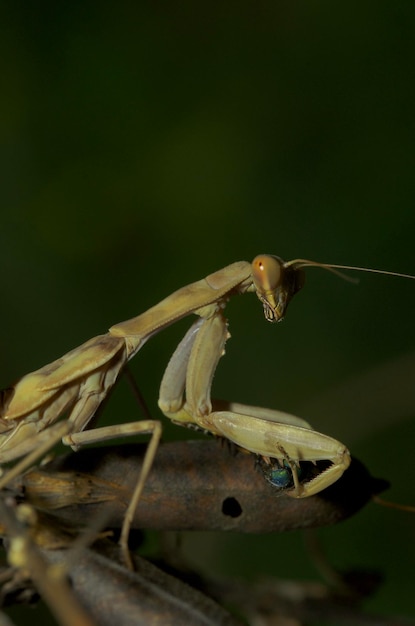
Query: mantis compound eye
267	272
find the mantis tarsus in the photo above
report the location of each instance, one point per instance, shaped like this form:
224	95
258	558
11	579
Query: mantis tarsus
78	382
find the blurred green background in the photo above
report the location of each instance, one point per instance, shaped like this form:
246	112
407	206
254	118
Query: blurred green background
145	146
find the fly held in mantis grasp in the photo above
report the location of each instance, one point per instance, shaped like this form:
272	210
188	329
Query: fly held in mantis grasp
76	384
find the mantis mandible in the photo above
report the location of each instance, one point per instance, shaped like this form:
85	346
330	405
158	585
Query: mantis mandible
78	382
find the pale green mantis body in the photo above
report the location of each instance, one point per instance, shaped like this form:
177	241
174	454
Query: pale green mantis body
77	383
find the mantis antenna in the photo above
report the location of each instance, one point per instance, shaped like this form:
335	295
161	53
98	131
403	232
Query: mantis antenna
332	267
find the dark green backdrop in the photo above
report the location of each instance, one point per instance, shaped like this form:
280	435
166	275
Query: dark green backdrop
145	147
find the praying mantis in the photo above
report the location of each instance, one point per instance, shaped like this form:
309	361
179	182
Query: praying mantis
77	383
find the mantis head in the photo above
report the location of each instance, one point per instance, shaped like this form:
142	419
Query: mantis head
275	283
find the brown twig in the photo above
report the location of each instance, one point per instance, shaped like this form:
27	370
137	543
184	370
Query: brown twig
193	485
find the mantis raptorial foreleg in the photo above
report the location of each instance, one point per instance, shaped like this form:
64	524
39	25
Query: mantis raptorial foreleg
78	383
265	432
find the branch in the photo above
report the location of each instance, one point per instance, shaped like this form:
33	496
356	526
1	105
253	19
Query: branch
196	485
